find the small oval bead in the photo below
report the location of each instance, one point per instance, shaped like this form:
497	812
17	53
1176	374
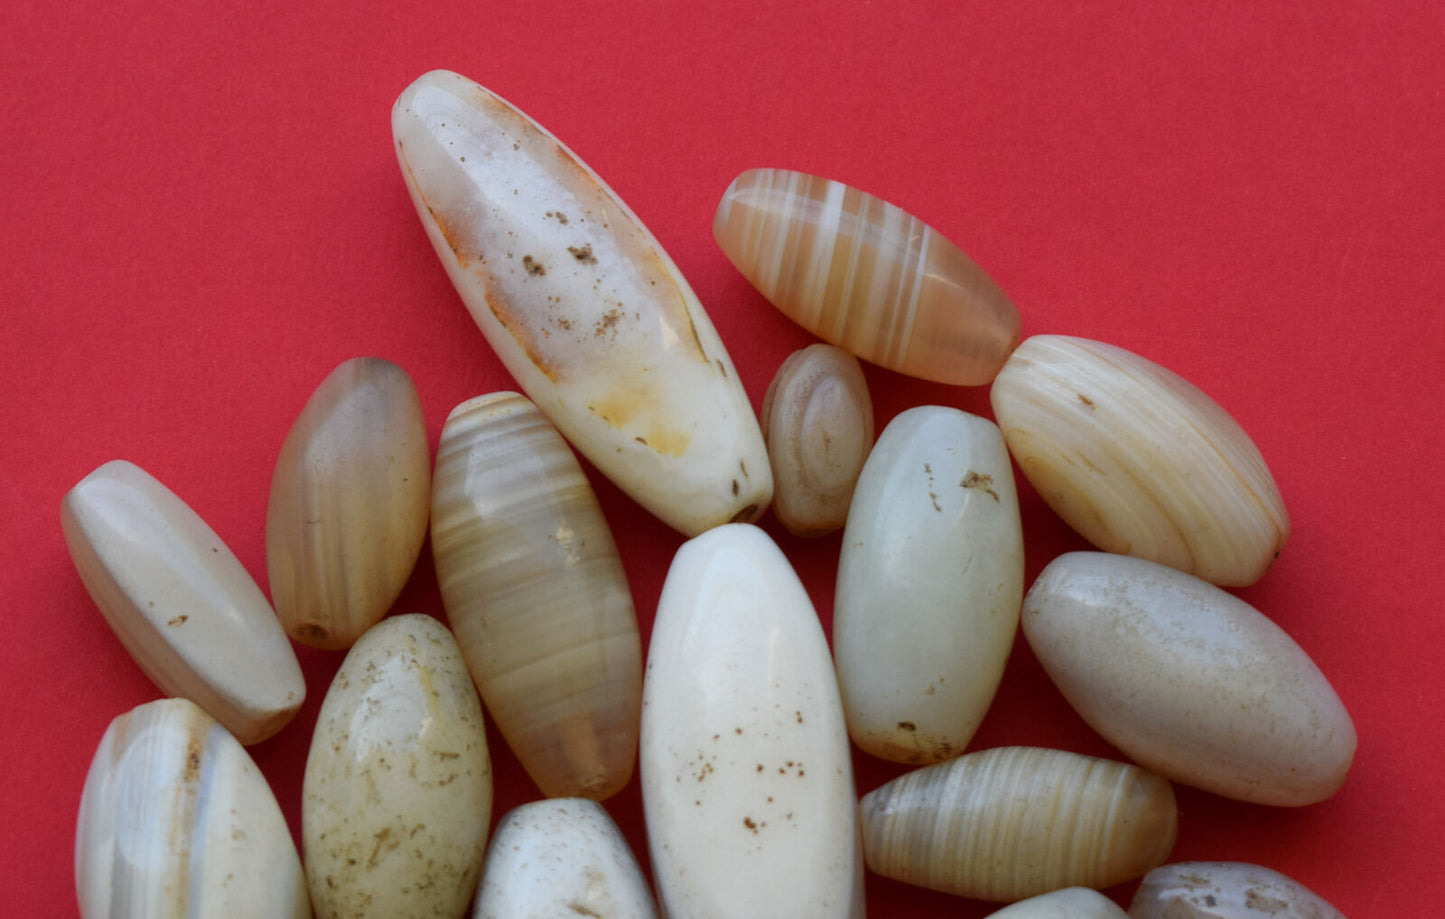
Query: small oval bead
180	602
397	795
177	820
747	780
1069	903
560	858
866	276
1225	890
535	592
349	503
1138	460
1015	822
1188	680
580	302
929	584
817	421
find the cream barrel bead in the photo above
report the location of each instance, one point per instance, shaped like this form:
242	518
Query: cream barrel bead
929	584
180	602
866	276
747	781
1188	680
1138	460
1069	903
582	305
1225	890
176	821
397	795
535	592
1015	822
560	858
817	421
349	503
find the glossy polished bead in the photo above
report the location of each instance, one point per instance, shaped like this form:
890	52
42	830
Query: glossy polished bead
561	858
930	579
180	602
1188	679
535	592
1225	890
747	781
1069	903
817	420
349	504
1015	822
397	795
177	821
1138	460
866	276
581	305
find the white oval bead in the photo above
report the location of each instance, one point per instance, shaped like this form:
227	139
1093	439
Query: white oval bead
1069	903
1188	679
559	858
747	781
582	305
397	795
1138	460
1225	890
176	821
929	585
180	602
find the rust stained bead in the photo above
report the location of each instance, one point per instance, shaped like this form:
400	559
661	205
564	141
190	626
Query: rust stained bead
866	276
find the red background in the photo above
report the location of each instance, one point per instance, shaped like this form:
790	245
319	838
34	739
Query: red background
201	215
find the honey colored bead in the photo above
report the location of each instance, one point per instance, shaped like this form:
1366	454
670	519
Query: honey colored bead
349	504
866	276
1015	822
581	304
817	420
535	591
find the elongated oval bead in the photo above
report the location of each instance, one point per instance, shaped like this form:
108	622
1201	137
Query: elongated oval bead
581	304
535	592
1138	460
349	503
180	602
558	858
1225	890
817	421
397	795
747	783
1188	679
1069	903
177	821
866	276
1015	822
929	585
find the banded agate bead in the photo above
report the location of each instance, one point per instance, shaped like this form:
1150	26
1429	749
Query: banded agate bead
866	276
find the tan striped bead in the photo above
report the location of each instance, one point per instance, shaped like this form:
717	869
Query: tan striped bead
1015	822
866	276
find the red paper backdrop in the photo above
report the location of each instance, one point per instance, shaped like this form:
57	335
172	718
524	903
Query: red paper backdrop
201	215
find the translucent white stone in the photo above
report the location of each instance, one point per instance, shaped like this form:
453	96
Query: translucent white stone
582	305
747	781
929	585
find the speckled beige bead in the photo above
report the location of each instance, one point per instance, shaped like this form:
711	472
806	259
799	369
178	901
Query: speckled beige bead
1225	890
397	794
1188	680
